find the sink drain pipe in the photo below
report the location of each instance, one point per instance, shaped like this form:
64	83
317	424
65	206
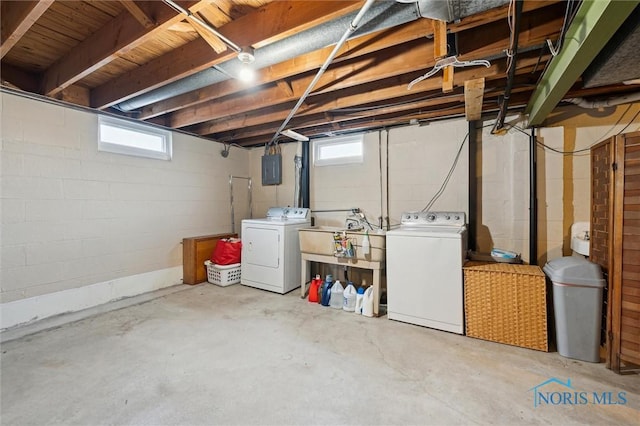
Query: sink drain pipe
352	27
533	198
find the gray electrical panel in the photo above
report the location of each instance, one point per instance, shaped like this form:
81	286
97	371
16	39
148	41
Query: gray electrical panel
272	169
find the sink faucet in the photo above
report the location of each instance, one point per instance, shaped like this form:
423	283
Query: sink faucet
357	221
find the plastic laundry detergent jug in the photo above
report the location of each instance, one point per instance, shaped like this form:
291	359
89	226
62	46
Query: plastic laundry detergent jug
336	295
367	304
349	298
326	291
316	283
359	301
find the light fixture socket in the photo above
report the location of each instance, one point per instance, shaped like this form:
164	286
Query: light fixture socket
246	55
295	135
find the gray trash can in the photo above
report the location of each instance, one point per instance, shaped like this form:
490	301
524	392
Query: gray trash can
577	302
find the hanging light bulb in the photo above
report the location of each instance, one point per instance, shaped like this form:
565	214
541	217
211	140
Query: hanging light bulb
247	74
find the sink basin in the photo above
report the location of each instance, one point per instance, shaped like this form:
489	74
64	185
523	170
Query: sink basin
580	245
319	240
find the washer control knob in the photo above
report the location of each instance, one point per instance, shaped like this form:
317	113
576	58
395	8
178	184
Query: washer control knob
457	217
447	217
415	216
431	217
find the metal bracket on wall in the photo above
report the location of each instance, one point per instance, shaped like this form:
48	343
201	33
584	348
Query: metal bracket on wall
233	212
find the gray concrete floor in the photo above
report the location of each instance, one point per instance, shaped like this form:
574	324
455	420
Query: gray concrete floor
237	355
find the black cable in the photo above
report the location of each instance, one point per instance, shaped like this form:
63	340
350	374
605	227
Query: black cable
630	122
515	34
449	174
446	180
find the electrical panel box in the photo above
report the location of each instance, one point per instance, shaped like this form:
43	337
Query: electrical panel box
272	169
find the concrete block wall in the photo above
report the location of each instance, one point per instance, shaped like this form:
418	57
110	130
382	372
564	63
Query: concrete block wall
503	191
552	181
419	160
73	217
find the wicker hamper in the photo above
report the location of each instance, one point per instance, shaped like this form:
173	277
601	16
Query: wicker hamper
506	303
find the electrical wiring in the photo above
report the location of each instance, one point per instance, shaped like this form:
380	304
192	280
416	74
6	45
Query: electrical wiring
510	19
632	120
448	177
583	151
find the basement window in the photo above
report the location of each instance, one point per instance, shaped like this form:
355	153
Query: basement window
338	150
124	137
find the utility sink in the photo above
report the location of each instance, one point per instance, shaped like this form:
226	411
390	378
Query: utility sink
580	245
319	240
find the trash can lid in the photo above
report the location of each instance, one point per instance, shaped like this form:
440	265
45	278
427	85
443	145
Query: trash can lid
574	270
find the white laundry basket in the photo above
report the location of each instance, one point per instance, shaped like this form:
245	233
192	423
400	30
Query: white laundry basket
223	275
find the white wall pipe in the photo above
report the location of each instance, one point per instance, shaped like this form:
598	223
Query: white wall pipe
352	27
617	100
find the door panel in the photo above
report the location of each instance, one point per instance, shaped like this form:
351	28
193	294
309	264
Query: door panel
424	278
261	246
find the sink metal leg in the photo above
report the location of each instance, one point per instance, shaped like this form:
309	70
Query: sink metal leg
304	273
376	292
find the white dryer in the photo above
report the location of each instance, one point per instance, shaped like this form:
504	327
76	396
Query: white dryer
424	270
271	249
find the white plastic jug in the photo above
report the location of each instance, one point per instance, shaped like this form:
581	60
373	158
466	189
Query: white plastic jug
349	299
359	301
336	295
367	304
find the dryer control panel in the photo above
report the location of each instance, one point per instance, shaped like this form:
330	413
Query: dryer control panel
286	213
433	219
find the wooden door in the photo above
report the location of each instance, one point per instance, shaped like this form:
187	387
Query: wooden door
602	194
624	336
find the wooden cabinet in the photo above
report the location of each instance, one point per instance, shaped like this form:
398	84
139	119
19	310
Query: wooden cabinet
195	250
615	242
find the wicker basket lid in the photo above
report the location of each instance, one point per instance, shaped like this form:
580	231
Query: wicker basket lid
507	268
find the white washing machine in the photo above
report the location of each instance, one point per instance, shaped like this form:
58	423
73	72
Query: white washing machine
424	270
271	249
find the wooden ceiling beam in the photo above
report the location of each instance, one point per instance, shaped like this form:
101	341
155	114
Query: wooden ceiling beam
19	78
309	124
138	13
358	71
536	26
119	36
413	56
473	98
440	51
16	17
213	40
347	98
275	21
353	48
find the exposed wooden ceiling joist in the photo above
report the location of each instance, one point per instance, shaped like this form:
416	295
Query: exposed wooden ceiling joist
410	57
393	88
16	18
118	37
138	13
110	51
275	21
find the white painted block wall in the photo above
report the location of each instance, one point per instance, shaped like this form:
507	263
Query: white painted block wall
73	217
420	157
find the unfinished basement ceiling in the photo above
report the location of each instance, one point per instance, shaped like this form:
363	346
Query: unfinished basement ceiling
142	59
